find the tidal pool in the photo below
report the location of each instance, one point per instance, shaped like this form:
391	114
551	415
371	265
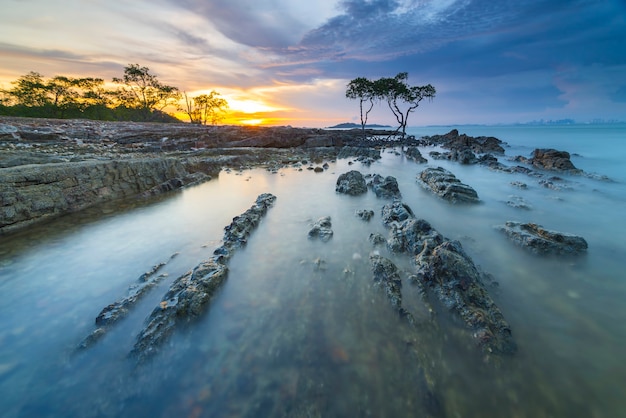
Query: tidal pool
299	329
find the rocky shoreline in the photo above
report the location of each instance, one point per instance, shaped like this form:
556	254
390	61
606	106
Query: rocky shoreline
50	167
53	167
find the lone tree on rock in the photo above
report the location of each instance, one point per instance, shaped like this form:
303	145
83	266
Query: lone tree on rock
401	97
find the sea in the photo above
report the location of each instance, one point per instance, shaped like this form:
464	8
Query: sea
300	329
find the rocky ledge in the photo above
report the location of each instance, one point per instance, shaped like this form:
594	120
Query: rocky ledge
53	167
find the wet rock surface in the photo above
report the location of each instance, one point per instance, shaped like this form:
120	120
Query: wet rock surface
460	142
189	295
351	183
366	155
32	193
518	202
385	187
413	153
542	241
551	159
365	214
445	270
322	229
387	276
445	185
52	167
120	308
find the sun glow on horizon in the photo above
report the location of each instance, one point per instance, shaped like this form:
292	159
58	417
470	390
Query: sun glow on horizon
252	122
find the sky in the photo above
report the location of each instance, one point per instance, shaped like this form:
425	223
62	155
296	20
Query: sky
287	62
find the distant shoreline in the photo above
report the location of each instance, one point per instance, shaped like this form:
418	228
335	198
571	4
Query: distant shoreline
355	125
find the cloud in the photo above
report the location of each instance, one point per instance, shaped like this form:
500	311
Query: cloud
265	24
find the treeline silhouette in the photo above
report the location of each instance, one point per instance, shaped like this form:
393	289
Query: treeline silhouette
138	96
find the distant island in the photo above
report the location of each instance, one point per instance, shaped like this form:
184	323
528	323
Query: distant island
356	125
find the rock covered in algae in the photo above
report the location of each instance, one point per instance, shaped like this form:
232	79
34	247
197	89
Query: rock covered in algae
190	294
444	269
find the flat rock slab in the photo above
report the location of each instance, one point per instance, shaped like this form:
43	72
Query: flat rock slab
445	185
542	241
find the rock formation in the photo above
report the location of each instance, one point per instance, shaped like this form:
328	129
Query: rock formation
190	294
31	193
538	240
445	185
413	153
386	275
352	183
455	141
120	308
322	229
551	159
445	270
364	214
385	187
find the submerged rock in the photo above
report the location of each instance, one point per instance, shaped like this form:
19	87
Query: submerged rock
351	183
364	214
444	184
366	155
444	269
387	276
377	239
385	187
518	202
190	294
120	308
322	229
542	241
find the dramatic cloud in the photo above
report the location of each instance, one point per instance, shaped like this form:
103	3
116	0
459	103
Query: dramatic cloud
489	60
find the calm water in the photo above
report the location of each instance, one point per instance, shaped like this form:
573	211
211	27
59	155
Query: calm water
298	329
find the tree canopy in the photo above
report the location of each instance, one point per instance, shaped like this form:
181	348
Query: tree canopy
139	89
363	89
401	98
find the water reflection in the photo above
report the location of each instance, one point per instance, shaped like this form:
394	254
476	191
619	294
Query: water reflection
299	329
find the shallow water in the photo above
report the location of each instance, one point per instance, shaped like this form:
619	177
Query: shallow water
298	328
